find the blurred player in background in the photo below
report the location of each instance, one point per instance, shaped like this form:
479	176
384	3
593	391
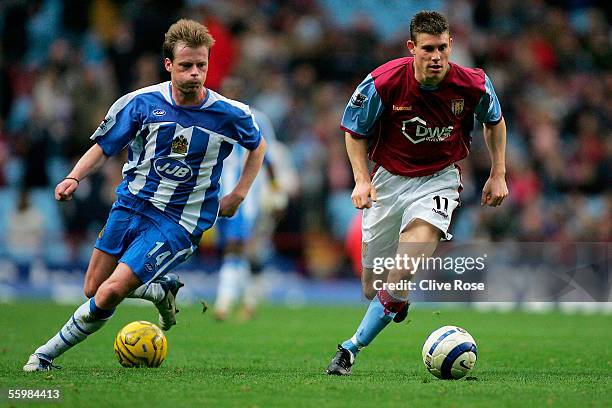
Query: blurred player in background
413	117
246	237
178	133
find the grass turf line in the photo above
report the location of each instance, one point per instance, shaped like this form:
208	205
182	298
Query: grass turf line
279	358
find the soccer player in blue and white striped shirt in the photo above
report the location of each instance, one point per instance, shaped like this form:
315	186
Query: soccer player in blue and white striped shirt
177	133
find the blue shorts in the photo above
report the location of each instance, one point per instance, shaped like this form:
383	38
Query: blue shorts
144	239
237	228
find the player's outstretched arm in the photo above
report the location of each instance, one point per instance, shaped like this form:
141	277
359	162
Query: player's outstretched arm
230	203
495	189
357	150
91	161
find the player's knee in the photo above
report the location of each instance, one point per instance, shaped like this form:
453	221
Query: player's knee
111	293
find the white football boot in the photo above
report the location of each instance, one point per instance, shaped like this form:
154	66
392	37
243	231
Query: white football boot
167	306
37	362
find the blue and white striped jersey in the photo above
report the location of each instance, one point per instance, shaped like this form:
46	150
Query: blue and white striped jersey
176	153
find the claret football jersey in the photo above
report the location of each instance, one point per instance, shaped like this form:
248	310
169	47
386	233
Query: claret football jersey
414	130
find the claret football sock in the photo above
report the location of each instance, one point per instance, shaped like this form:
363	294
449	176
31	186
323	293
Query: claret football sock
380	313
87	319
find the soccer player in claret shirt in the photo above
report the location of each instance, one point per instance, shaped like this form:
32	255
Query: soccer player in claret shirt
413	117
177	133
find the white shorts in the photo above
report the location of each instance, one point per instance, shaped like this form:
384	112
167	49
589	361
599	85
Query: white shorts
402	199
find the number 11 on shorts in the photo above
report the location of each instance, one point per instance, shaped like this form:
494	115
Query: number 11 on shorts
438	201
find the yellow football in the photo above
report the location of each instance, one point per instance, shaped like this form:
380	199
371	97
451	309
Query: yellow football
141	344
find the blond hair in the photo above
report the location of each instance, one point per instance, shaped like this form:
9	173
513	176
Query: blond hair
190	32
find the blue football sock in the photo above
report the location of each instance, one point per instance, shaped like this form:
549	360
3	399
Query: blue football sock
376	318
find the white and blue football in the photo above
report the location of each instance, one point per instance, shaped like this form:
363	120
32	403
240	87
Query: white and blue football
449	352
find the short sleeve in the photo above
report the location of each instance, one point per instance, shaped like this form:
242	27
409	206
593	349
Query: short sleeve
247	130
119	127
488	109
364	108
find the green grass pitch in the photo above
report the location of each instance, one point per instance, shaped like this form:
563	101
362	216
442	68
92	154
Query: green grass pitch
279	358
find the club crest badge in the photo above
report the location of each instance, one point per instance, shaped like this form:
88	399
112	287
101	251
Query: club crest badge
457	106
179	145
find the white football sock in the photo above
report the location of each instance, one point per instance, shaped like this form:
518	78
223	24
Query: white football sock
232	276
87	319
153	292
253	291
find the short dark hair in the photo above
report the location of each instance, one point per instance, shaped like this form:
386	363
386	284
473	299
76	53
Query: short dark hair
428	22
190	32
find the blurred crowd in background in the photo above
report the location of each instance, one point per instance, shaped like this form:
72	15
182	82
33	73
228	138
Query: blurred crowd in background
63	63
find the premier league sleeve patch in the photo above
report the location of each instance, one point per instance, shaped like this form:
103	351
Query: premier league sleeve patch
106	124
358	99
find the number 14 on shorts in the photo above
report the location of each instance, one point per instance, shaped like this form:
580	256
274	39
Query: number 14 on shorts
159	258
